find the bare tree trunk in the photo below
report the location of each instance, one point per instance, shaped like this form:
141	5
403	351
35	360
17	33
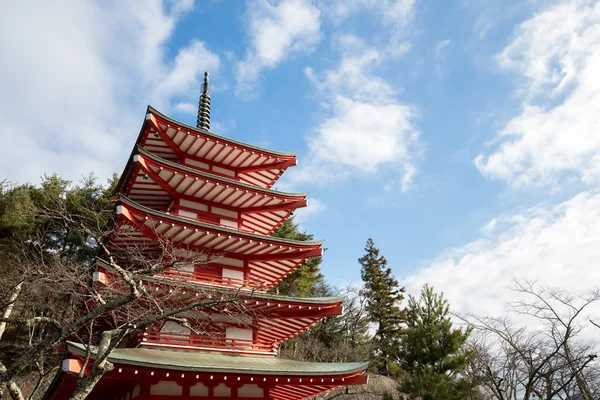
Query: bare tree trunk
9	308
85	385
13	389
581	383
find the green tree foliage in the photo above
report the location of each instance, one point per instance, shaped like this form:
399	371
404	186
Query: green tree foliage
307	280
383	296
23	216
431	350
333	339
41	229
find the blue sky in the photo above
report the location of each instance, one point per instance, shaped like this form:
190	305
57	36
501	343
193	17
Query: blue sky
462	136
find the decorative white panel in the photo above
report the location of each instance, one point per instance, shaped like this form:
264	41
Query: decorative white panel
166	388
136	391
223	171
233	274
188	214
193	204
230	261
198	390
231	224
222	391
238	333
174	327
220	211
250	390
196	163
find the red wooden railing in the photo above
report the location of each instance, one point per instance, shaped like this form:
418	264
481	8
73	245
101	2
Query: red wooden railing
180	340
251	283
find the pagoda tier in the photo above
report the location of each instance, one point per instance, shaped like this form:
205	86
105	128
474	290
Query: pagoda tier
163	185
265	321
262	260
198	148
146	374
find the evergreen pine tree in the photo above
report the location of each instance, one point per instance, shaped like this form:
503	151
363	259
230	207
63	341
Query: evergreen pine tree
383	307
334	339
431	350
307	279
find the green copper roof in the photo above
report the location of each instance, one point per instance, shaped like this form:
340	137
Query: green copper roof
218	137
219	363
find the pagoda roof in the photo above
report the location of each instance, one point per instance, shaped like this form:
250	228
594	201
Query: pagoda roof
275	298
219	155
156	183
162	116
278	317
220	363
285	379
269	257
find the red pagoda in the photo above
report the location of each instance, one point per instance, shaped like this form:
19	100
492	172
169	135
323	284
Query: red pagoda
212	194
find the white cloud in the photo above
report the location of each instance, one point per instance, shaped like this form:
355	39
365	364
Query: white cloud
394	16
277	30
366	127
186	70
556	246
77	77
440	44
187	108
315	207
396	12
555	137
439	57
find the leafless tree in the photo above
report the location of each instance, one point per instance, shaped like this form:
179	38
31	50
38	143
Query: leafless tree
47	298
546	360
341	338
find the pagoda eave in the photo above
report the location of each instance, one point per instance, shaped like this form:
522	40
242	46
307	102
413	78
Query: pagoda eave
191	234
205	175
161	184
224	364
197	147
142	372
272	153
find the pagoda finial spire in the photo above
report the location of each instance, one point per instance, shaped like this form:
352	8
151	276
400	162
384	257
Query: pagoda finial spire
203	120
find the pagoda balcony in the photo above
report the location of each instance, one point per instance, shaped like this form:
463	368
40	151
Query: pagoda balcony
267	257
183	341
249	282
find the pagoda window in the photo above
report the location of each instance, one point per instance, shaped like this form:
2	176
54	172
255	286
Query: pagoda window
222	391
198	390
238	337
174	327
233	274
251	390
166	388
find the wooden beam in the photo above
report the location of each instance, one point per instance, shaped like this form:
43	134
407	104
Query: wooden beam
165	137
268	167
